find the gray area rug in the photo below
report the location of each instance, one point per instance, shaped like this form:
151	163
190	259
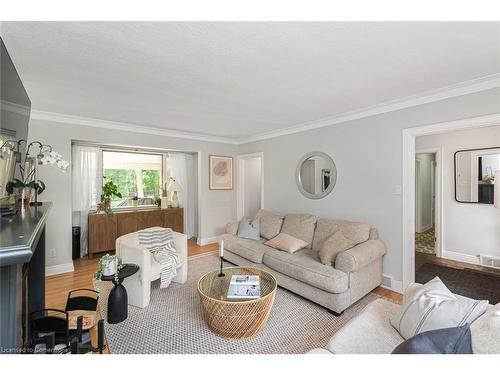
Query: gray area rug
173	322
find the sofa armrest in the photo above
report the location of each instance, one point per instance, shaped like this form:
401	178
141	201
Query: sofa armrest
232	227
360	256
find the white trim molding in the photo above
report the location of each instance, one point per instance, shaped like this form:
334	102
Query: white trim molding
408	181
461	257
451	91
207	241
59	268
459	89
123	126
396	285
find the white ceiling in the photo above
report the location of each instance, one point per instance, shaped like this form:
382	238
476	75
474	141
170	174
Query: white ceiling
240	79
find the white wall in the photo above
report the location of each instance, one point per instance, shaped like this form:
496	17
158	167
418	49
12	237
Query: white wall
216	209
468	228
425	192
368	154
252	186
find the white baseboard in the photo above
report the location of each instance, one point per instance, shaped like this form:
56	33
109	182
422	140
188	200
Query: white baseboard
460	257
392	284
59	268
207	241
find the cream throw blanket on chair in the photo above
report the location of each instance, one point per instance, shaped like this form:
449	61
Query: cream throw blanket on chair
160	243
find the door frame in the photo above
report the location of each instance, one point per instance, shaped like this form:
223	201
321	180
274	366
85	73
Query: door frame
240	191
408	181
438	199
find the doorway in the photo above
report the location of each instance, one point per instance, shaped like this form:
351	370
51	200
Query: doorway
250	189
425	203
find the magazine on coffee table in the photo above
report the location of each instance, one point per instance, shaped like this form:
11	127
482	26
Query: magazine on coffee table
244	287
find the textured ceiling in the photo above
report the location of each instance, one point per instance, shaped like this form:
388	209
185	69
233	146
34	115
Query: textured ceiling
240	79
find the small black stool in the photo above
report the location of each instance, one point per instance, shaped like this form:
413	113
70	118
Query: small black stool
118	300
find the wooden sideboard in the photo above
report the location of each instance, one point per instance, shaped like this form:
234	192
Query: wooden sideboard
105	228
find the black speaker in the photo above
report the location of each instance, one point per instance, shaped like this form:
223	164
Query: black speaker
76	243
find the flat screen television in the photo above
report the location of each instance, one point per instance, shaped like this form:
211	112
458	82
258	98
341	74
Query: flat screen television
15	107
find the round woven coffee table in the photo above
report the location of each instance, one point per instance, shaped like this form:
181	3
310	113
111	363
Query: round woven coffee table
236	318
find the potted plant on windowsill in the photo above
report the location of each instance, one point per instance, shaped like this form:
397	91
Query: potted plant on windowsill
135	201
109	190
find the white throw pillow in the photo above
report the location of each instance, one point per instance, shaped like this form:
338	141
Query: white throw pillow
433	306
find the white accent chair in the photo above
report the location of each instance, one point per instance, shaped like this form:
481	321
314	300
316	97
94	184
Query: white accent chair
139	285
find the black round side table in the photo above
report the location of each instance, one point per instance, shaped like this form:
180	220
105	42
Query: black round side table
118	300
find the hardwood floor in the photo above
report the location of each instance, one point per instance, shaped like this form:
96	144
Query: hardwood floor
58	286
389	294
421	258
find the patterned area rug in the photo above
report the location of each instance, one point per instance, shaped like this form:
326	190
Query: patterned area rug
468	283
425	242
173	322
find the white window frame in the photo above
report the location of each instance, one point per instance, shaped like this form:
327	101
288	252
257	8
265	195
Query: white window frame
130	151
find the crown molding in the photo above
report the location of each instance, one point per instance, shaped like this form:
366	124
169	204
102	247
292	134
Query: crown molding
459	89
124	126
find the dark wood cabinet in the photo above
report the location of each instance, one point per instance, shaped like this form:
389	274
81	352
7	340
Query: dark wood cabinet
105	228
102	232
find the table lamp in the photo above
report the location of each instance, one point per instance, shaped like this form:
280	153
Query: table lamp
174	187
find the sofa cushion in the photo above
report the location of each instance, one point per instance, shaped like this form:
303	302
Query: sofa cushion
304	265
249	229
232	227
248	249
432	306
334	245
369	332
486	332
287	243
300	226
270	223
357	232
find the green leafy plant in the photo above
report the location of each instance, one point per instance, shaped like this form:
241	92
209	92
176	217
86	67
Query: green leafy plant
16	183
109	190
157	201
105	262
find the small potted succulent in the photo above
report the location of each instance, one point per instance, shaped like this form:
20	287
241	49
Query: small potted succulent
109	190
108	266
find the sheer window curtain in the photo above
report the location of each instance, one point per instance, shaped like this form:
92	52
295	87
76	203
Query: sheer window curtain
86	178
180	167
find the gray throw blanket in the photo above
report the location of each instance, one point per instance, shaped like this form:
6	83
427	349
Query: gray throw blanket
160	242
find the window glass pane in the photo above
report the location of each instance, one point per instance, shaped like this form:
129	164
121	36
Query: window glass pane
136	175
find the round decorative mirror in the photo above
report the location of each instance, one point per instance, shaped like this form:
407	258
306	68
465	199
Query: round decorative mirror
316	175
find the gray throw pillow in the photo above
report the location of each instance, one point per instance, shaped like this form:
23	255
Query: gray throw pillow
249	229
